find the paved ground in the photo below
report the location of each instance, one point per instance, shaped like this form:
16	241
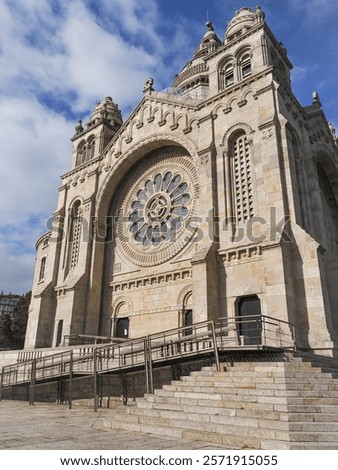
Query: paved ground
52	427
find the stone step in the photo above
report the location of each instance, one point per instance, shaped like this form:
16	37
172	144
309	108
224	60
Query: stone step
147	428
245	405
300	422
246	375
313	417
293	397
324	384
227	417
310	436
207	408
323	427
312	446
279	404
246	436
313	390
230	426
314	409
224	441
281	407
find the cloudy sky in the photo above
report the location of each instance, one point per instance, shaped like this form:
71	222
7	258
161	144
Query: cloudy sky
58	58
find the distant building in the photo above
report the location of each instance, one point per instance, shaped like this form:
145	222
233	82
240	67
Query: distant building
8	303
215	199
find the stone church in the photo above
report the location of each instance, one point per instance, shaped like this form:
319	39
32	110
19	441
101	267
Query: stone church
216	198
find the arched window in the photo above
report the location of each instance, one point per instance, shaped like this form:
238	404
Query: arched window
82	153
42	268
120	327
229	76
245	62
86	150
91	149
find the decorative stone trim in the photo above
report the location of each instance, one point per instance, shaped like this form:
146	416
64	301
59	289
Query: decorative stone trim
233	256
150	281
204	160
242	103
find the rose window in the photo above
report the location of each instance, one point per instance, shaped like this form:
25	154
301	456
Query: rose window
156	212
159	208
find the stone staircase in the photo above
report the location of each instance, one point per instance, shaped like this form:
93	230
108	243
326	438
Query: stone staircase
287	403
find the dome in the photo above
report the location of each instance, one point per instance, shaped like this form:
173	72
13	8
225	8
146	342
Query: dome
196	67
108	110
244	18
209	42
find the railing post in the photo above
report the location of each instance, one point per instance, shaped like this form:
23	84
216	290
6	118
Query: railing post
215	346
145	345
151	381
263	320
32	384
2	381
95	382
124	388
70	392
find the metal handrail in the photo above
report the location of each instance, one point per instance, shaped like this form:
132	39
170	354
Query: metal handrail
256	331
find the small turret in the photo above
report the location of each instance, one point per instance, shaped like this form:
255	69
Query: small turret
89	141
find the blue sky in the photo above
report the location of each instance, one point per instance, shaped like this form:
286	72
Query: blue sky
58	58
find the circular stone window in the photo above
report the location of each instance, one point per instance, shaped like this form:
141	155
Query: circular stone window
154	219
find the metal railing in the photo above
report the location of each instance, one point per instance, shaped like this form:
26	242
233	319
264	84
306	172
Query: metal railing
75	339
252	332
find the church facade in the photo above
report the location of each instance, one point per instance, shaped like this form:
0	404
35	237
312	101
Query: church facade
213	199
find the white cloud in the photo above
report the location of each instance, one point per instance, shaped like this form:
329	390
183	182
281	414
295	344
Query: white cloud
98	62
314	11
35	146
16	274
57	59
298	73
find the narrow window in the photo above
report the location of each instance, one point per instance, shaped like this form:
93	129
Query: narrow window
82	154
75	235
91	149
229	75
188	321
246	65
243	208
42	268
59	333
